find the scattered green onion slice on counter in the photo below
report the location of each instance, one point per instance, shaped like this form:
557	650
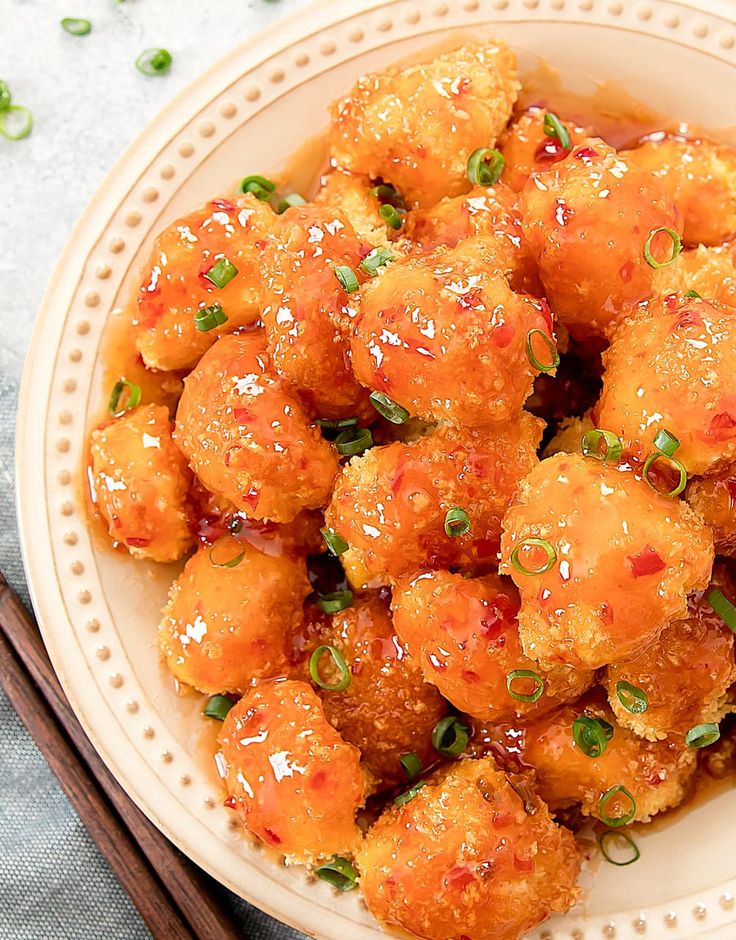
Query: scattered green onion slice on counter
258	186
457	522
666	442
335	543
610	836
288	202
227	552
703	735
632	698
335	601
76	27
723	607
390	215
517	674
16	122
553	127
154	62
132	399
339	661
221	272
674	462
353	441
339	873
409	794
208	318
534	360
551	556
693	295
450	736
217	707
613	795
388	408
375	260
591	442
591	735
676	247
5	96
385	193
346	276
485	166
411	764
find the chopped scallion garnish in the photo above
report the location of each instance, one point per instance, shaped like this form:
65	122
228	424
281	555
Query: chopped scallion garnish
388	408
346	276
390	215
591	735
533	543
154	62
534	360
525	674
607	841
258	186
632	698
132	399
288	202
338	659
16	122
450	736
76	27
221	272
408	795
217	707
693	295
591	445
339	873
411	764
666	442
327	425
457	522
353	441
553	127
703	735
334	602
208	318
676	247
673	462
5	96
227	552
374	260
613	795
723	607
387	193
335	543
485	166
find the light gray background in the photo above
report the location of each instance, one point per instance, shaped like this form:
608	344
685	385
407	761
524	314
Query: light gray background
88	103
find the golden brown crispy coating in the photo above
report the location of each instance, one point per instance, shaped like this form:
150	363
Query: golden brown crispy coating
224	626
174	286
671	366
415	127
623	560
587	220
714	498
248	438
464	635
293	780
352	195
711	272
464	859
390	504
139	481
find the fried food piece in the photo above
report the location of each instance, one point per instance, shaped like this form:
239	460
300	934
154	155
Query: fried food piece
444	335
248	438
466	858
700	178
290	776
620	560
670	367
569	436
415	127
390	505
175	287
464	635
587	220
388	709
714	498
352	195
302	303
224	626
139	481
710	272
685	674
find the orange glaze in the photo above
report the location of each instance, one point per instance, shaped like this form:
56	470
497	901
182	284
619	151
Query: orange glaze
626	558
443	335
714	498
711	272
290	776
174	286
415	127
671	366
390	504
464	634
464	859
587	220
248	438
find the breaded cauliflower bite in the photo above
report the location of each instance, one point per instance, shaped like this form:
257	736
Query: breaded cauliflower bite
714	498
391	504
700	178
463	633
602	561
444	335
671	367
302	303
248	438
588	220
387	710
207	259
139	481
416	127
467	857
710	272
353	195
231	615
289	775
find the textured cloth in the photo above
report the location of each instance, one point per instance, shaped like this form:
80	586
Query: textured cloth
88	103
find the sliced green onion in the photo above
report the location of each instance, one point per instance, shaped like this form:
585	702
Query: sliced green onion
457	522
334	602
723	607
485	166
409	794
610	795
390	215
375	260
154	62
227	552
221	273
388	408
257	186
208	318
534	543
450	736
217	707
353	441
678	465
703	735
666	442
591	735
534	696
676	247
16	122
411	764
553	127
632	698
612	836
693	295
346	276
339	660
132	400
76	27
288	202
338	425
387	193
335	543
591	443
535	361
5	96
339	873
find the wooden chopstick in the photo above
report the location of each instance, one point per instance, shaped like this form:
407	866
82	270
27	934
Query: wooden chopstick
186	906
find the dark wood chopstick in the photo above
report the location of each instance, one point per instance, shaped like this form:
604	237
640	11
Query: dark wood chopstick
183	893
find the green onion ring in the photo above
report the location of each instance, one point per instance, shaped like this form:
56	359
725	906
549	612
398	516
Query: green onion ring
76	27
346	276
339	873
353	441
388	408
288	202
666	442
221	558
387	193
485	166
553	127
390	215
457	522
411	764
217	707
132	401
5	96
375	259
676	247
591	735
409	794
693	295
723	607
590	445
677	464
25	126
450	736
616	821
153	62
221	272
335	543
632	698
335	601
209	318
532	543
611	834
515	674
702	735
257	186
339	661
338	425
534	360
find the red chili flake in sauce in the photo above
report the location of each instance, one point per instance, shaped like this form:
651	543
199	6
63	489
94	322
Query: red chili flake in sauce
459	876
562	213
550	151
586	153
467	675
645	563
224	204
626	272
730	485
607	613
523	864
231	802
672	301
251	497
138	542
689	317
318	780
503	335
242	415
470	300
272	837
722	425
502	818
